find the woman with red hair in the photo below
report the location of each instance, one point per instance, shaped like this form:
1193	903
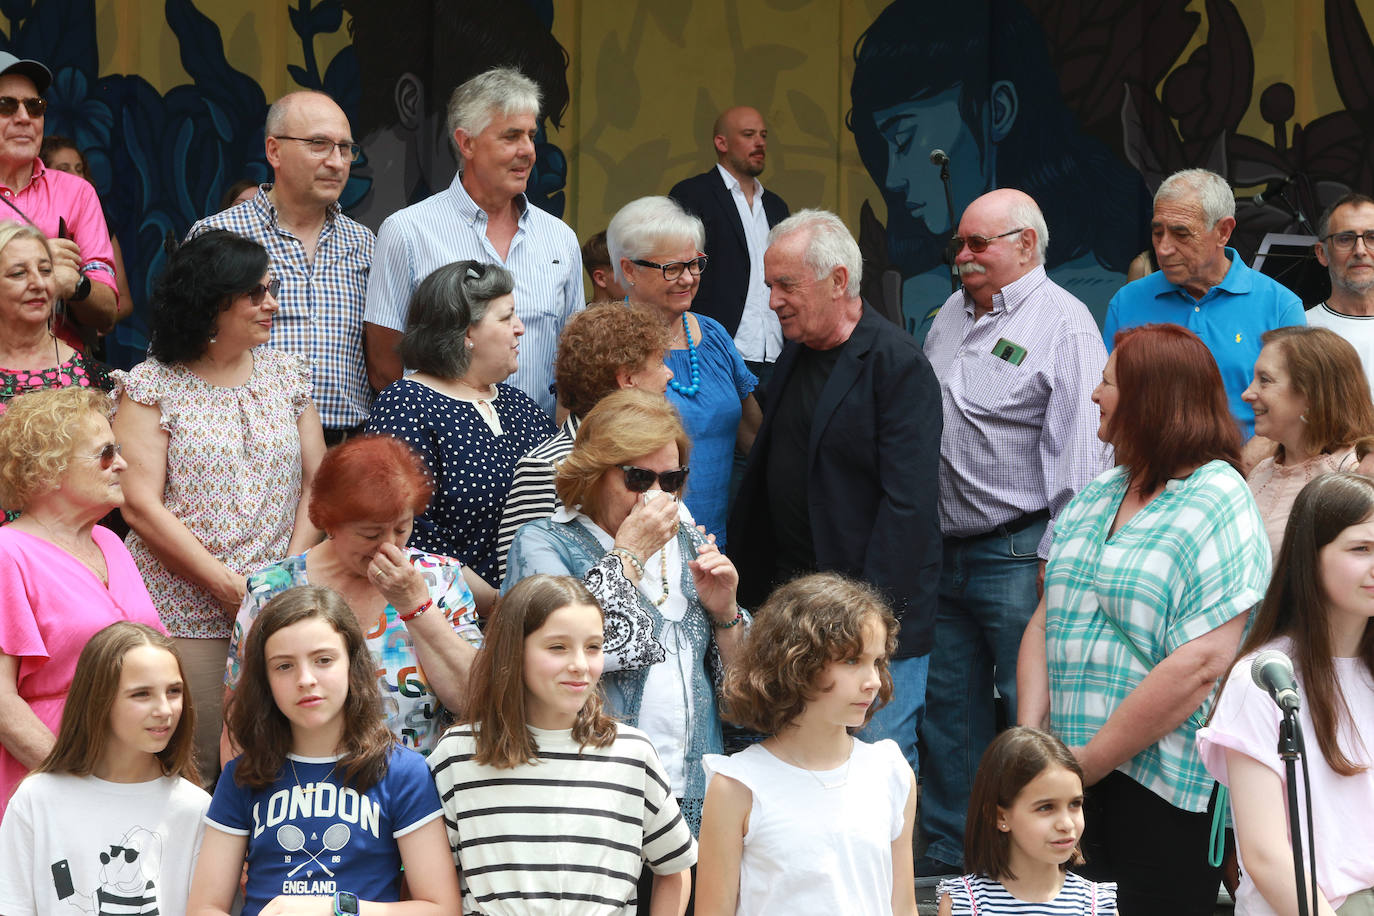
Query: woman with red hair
1153	571
415	608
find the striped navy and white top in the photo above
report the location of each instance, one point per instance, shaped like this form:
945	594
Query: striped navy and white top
532	493
976	895
566	834
544	257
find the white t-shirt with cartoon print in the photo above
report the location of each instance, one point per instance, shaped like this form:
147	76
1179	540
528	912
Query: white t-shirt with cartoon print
78	844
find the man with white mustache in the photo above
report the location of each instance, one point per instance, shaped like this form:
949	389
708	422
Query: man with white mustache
1017	358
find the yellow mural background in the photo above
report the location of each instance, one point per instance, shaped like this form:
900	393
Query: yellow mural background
647	79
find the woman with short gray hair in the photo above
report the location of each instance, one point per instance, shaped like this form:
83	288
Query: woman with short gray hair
462	341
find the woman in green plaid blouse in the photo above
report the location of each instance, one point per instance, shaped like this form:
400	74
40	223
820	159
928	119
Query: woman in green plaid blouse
1154	568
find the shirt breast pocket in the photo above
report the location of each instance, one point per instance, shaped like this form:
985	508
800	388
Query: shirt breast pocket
993	387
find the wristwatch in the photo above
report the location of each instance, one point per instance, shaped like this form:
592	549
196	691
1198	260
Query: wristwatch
83	289
345	904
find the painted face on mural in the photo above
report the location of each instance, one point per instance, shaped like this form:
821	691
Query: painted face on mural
1352	269
918	218
20	134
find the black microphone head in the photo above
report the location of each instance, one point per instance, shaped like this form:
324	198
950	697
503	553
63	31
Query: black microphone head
938	157
1261	664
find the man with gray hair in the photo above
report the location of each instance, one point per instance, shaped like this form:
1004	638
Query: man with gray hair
1203	285
855	396
319	255
1017	357
483	216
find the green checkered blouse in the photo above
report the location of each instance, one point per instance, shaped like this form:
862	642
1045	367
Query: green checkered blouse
1189	561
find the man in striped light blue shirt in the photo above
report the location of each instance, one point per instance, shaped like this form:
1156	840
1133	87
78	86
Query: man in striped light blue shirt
483	215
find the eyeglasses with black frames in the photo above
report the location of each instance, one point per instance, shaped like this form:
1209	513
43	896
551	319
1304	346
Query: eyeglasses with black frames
673	269
34	106
639	480
1345	241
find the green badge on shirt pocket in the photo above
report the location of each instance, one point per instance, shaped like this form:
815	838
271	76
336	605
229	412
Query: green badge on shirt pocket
1005	349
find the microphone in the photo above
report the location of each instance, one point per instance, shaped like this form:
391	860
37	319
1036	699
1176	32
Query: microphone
938	157
1273	671
1258	199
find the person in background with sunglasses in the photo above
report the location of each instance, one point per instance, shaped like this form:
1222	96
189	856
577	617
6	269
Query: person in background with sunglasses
63	578
223	443
64	207
667	591
656	247
1017	357
320	255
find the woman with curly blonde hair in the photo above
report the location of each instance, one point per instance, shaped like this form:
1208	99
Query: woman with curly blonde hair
63	578
811	820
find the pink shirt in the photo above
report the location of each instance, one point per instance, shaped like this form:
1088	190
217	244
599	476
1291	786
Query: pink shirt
1276	486
51	195
50	607
1247	720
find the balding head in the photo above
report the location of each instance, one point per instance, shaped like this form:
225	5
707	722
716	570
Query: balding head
1016	238
741	141
300	177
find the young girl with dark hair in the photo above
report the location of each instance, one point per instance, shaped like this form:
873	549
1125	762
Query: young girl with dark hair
323	804
552	806
811	820
109	821
1317	612
1025	821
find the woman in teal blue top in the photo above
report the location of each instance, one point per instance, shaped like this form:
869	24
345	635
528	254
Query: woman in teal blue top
656	248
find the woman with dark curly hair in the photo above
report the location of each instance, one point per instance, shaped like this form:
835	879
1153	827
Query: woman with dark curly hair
811	820
222	442
603	349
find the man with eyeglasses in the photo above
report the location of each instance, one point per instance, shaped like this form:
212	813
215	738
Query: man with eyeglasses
64	207
485	216
320	256
1017	357
1204	286
737	212
1345	246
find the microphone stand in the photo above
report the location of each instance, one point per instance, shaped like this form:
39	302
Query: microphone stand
1290	749
949	208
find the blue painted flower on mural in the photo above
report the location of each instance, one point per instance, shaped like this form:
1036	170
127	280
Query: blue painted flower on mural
72	112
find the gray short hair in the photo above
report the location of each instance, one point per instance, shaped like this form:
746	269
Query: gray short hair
1027	213
448	302
1212	193
502	90
648	223
829	245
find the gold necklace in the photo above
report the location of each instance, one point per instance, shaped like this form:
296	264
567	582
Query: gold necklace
844	777
307	792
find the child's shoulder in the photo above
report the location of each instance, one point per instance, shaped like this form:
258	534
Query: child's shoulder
405	761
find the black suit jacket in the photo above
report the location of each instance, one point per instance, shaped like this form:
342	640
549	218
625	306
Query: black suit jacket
873	478
725	283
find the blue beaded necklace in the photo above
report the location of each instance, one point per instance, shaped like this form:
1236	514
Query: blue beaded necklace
689	391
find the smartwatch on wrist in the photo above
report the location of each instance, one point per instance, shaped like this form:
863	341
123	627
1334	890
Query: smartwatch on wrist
345	904
83	289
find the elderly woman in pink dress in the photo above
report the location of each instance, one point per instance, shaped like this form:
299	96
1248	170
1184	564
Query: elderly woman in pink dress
62	577
223	443
1310	396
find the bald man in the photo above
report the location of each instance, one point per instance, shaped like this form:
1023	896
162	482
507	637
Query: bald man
321	257
1017	358
738	213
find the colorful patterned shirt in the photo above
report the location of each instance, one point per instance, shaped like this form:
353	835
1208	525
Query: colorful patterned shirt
322	300
413	712
1193	558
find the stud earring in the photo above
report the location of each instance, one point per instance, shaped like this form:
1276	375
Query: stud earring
468	344
1302	417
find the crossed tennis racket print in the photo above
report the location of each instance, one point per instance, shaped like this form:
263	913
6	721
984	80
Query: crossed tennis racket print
292	839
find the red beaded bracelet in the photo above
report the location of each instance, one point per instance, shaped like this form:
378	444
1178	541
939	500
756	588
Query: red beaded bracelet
406	618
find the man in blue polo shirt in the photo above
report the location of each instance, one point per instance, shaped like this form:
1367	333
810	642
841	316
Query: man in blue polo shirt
1203	285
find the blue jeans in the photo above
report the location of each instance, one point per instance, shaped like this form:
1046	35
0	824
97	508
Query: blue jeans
901	718
987	595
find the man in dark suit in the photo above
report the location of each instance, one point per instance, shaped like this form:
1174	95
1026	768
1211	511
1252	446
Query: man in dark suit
737	213
843	475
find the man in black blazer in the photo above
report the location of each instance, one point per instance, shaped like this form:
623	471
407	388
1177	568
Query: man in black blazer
737	213
843	475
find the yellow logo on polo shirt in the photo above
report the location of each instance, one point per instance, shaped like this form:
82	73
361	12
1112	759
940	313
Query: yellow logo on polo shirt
1237	338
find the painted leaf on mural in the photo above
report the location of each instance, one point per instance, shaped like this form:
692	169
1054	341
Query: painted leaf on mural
810	117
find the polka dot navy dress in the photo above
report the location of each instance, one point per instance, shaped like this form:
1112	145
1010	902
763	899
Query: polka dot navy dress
471	463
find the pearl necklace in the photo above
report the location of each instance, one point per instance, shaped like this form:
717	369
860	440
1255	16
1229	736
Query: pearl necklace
663	572
689	391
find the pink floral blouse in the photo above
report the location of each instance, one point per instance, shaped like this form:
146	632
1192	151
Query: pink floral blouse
233	475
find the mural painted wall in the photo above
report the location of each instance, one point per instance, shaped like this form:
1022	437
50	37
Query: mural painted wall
1084	103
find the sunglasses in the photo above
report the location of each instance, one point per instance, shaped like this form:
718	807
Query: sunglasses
106	456
977	243
34	106
639	480
258	292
